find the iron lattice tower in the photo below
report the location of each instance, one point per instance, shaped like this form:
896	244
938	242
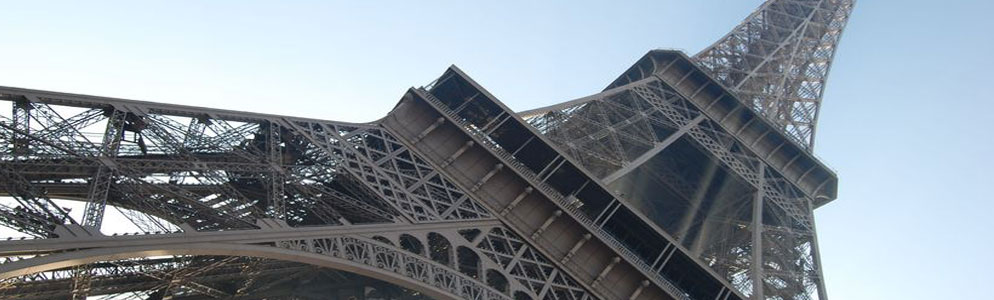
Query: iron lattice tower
687	178
778	59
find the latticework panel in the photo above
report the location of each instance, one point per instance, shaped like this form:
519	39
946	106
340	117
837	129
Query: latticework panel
177	171
778	59
693	179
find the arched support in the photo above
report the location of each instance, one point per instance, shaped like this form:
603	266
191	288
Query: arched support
351	254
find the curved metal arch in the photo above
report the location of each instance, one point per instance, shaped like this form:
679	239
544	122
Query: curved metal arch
407	270
487	261
456	241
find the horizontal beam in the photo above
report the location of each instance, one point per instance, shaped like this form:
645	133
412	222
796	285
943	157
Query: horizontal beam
38	246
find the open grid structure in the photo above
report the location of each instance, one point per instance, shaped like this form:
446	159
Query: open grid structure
686	178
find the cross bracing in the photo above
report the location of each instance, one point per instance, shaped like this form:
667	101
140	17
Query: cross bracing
777	61
721	180
201	170
688	178
347	176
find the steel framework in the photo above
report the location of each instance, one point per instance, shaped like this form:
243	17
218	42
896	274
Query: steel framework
778	59
687	178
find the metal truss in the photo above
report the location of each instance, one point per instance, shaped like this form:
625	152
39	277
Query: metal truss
202	274
618	132
687	178
337	243
185	172
581	218
777	60
207	277
775	63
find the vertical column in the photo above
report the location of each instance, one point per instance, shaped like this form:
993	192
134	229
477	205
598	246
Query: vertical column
22	126
757	237
191	140
816	252
276	177
100	183
80	282
96	203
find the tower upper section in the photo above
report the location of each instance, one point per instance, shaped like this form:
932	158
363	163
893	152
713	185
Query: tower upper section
778	58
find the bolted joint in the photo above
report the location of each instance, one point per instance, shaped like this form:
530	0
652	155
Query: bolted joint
548	222
576	247
428	130
638	291
487	177
458	152
607	269
521	196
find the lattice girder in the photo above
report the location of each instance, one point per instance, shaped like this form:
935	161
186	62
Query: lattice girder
193	170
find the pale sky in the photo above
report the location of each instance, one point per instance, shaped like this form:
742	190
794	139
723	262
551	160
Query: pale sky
905	121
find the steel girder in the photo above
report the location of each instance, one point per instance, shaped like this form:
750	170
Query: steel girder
196	171
210	277
547	196
329	163
204	273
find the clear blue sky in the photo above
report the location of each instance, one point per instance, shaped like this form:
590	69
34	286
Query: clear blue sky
905	122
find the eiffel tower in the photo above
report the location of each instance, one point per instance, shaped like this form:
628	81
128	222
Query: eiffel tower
688	177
